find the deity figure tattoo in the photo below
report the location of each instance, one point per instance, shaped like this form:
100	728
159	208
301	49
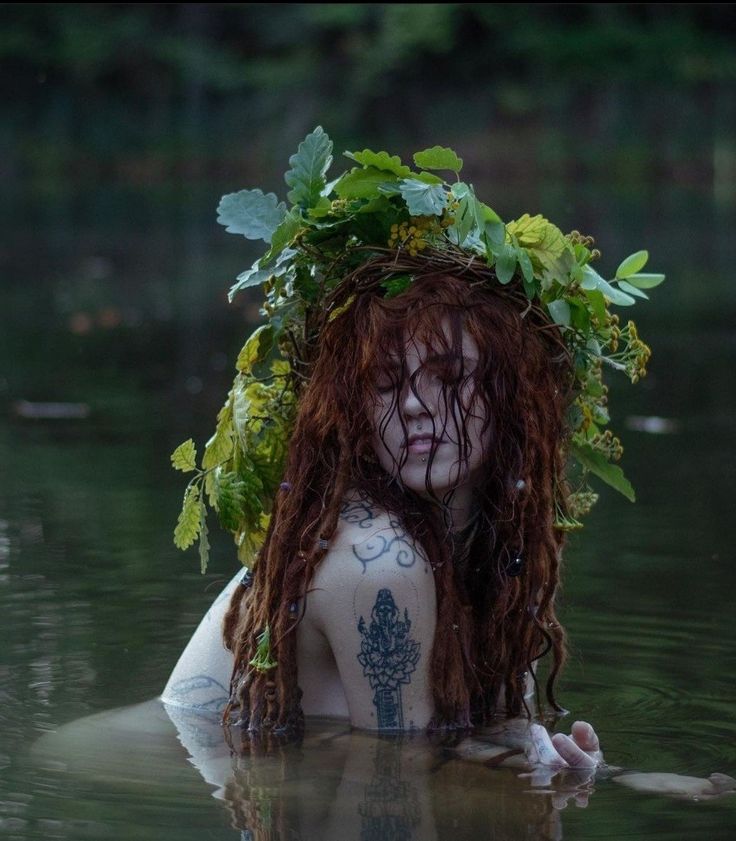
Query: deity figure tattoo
388	656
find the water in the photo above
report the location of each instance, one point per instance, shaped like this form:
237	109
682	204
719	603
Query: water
96	604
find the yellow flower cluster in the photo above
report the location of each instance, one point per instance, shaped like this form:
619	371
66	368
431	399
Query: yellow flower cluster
636	354
414	235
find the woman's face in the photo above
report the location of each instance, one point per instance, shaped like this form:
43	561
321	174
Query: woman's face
428	420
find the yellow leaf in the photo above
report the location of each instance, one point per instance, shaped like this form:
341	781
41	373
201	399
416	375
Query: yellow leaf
188	525
341	309
204	543
544	240
184	457
280	367
220	446
255	349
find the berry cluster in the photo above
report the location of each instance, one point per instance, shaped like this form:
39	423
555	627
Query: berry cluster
415	235
576	238
579	504
607	443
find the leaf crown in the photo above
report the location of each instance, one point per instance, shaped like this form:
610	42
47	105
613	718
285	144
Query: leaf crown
379	207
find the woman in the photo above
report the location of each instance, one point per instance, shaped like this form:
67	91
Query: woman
409	577
436	369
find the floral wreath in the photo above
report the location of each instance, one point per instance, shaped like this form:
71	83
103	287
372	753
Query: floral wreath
399	221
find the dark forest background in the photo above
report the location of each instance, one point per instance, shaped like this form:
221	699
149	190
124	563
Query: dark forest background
146	92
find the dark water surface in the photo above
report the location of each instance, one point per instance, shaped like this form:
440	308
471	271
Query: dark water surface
116	302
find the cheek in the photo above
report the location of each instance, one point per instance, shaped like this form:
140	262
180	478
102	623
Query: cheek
385	418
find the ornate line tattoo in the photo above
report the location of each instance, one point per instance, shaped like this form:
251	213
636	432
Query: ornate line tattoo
201	692
359	513
397	544
388	656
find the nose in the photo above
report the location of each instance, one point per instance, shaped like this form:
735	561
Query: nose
416	400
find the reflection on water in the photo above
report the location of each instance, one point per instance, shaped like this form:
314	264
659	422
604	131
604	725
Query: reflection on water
96	604
333	783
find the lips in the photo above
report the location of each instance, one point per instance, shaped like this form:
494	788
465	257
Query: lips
419	444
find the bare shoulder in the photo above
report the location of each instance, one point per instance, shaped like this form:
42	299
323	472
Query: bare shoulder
371	534
370	544
373	598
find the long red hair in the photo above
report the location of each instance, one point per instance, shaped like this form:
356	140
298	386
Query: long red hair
496	603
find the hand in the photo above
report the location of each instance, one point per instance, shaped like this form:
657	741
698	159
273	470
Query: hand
577	755
580	750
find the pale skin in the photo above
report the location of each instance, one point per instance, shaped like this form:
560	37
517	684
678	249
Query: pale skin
364	643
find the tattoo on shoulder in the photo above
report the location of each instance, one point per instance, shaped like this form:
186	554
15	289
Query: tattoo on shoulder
394	545
388	656
358	513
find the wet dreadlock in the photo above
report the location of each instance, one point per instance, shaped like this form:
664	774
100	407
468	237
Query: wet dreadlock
500	592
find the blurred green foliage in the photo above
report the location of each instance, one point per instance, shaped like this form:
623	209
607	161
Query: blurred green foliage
176	86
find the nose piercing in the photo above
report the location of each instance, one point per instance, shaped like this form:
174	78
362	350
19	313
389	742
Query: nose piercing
419	427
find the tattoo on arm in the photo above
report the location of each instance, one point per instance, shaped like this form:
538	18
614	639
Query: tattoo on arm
388	656
201	692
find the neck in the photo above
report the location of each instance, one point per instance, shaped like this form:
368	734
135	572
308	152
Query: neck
463	509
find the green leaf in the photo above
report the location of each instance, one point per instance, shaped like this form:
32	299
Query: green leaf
597	304
531	289
204	543
253	276
592	280
260	272
184	457
423	199
251	213
256	348
632	290
396	285
525	262
219	448
231	495
363	183
560	312
494	229
263	659
505	263
579	314
465	214
187	526
438	157
321	209
283	235
380	160
427	178
597	464
308	167
645	281
632	264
